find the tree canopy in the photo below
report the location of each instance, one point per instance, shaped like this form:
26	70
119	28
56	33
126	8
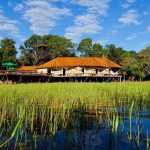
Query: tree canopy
144	57
7	51
39	49
87	48
115	53
56	46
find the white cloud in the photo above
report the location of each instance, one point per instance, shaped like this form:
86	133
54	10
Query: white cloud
42	15
148	28
103	41
94	6
84	24
130	17
1	11
60	1
128	3
135	35
145	13
145	43
8	28
125	5
131	37
10	4
18	7
131	1
7	25
89	22
114	31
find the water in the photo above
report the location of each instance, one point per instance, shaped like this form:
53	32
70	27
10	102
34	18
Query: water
93	134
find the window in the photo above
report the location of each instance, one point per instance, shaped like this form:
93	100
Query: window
49	71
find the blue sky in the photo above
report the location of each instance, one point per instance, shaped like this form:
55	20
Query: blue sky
126	23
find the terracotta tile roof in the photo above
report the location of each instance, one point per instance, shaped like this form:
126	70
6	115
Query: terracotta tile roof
79	62
28	68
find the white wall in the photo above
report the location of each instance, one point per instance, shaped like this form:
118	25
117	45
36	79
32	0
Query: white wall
74	71
89	71
57	72
77	71
42	70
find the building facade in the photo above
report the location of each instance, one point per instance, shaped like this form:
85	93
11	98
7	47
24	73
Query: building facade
67	69
80	66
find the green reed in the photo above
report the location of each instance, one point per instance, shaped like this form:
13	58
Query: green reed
49	107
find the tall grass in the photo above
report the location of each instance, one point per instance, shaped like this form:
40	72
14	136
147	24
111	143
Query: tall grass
50	107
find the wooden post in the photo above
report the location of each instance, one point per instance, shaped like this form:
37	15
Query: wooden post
7	77
120	79
20	80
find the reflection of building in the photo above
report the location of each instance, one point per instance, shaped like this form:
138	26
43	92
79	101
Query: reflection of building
80	66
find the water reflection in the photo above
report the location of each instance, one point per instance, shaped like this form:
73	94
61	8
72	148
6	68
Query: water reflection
91	132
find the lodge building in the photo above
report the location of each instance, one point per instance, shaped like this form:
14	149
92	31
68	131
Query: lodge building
80	69
79	66
76	69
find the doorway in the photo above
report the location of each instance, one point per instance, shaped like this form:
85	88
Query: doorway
64	71
49	71
83	71
96	71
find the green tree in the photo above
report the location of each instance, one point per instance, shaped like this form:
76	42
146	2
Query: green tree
8	51
131	65
29	50
85	47
1	57
144	60
97	50
26	59
59	46
133	53
115	53
56	47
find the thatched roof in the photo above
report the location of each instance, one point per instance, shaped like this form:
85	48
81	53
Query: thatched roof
80	62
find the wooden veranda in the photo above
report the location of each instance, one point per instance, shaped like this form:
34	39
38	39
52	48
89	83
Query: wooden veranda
33	76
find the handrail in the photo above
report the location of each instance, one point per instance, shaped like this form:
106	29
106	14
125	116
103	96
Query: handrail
19	72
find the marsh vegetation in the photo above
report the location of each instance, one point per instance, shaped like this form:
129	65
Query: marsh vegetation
75	116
